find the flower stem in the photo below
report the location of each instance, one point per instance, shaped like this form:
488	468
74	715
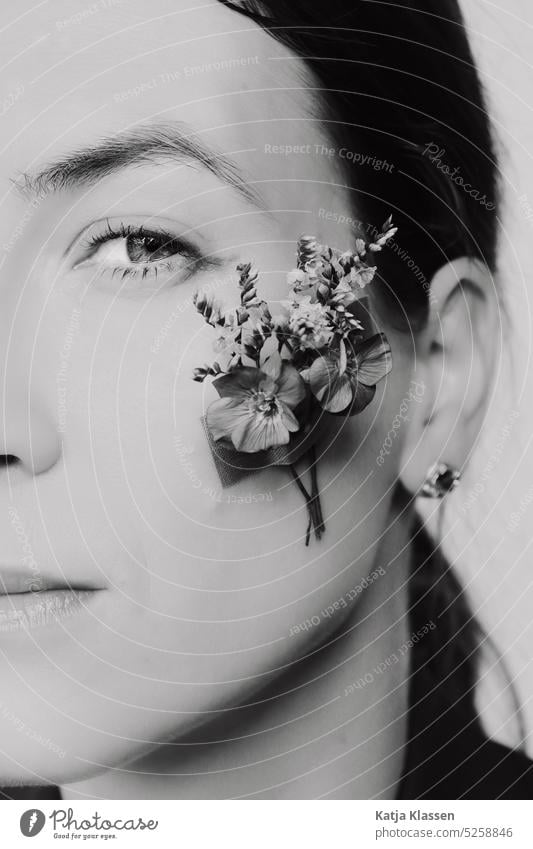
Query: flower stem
314	509
307	497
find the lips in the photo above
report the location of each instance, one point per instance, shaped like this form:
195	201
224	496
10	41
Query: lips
31	599
25	611
15	580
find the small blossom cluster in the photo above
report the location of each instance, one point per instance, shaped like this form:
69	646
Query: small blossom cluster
276	373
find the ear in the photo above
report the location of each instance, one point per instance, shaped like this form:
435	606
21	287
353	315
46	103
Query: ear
455	360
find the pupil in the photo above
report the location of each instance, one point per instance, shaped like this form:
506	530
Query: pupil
148	248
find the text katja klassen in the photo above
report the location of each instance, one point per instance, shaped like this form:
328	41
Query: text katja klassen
416	814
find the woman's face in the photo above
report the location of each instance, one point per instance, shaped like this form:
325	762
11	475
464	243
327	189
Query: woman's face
196	589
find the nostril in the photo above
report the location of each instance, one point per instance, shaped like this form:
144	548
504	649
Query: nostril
8	460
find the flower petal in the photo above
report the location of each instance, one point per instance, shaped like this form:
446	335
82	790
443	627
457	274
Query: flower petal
363	395
259	432
223	416
289	419
290	386
374	360
267	384
225	358
320	376
333	391
238	383
363	276
342	357
340	396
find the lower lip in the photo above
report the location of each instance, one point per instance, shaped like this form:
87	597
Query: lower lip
25	611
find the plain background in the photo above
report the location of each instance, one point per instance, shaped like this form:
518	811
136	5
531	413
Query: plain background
488	521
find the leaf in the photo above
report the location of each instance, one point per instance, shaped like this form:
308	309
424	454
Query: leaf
248	361
272	365
268	349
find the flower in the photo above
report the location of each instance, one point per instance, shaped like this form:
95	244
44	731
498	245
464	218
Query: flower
363	276
227	339
276	375
255	410
296	278
311	324
387	232
346	384
227	344
343	295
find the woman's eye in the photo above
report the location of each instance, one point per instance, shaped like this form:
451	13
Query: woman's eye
133	252
151	248
125	250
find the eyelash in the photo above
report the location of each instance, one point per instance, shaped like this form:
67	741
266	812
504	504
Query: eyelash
123	231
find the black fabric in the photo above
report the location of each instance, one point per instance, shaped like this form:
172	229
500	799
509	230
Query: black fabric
48	792
448	755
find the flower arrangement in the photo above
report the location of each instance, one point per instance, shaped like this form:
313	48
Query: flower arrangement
277	375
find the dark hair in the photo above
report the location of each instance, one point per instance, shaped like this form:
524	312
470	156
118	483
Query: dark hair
393	78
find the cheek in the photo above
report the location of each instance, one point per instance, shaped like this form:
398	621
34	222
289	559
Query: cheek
230	552
199	565
208	586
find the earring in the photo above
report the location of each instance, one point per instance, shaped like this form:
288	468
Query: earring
440	479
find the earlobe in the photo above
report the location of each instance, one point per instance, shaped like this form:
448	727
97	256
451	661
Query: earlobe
455	359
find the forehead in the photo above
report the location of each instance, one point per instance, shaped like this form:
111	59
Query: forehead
76	70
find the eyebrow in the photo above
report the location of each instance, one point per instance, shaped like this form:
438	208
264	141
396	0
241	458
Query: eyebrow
144	144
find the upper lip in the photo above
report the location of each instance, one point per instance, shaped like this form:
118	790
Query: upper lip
15	579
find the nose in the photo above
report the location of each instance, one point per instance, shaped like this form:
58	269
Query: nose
28	432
